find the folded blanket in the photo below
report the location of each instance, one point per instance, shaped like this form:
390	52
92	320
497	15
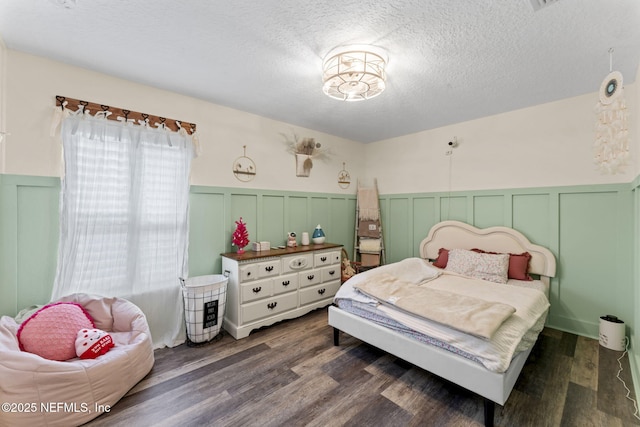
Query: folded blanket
412	270
467	314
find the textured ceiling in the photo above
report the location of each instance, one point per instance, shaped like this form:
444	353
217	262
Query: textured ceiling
449	60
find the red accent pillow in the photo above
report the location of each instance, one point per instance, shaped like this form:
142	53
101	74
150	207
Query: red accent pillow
51	331
443	258
518	264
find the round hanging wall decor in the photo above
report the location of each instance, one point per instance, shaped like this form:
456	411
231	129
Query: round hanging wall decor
611	87
244	168
344	179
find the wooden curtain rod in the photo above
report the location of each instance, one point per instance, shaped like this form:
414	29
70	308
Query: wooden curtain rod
127	114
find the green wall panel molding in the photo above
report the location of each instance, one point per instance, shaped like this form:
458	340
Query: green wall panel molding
273	225
488	210
29	229
269	216
594	250
588	228
527	210
397	234
425	214
206	232
243	206
634	323
592	230
343	222
297	217
455	208
37	231
319	215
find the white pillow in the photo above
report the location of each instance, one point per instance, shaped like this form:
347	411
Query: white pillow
494	268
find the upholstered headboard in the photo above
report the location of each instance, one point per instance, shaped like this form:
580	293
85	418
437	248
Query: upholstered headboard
459	235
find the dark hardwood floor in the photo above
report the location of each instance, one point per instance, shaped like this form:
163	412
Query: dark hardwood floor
291	374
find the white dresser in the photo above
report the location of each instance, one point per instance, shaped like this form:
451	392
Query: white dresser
268	286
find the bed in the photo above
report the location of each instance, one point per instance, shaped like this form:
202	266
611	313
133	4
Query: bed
492	381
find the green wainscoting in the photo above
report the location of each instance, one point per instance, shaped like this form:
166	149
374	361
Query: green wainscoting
592	230
634	334
207	232
588	228
28	240
29	229
269	216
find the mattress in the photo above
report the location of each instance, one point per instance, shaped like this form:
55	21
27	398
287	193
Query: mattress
518	333
373	314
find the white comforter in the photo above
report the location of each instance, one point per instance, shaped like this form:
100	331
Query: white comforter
516	334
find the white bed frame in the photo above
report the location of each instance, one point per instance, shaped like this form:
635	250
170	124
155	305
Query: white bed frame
494	387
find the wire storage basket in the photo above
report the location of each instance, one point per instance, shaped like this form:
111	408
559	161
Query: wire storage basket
204	303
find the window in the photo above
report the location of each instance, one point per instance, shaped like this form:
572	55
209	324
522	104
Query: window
124	217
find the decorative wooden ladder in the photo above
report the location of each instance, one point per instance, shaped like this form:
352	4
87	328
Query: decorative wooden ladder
368	242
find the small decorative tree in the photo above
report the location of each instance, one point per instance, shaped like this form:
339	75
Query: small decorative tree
240	237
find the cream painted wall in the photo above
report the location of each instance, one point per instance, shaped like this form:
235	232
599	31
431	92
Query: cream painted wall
30	150
544	145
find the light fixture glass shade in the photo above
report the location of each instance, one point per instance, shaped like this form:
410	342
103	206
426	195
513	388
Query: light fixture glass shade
354	73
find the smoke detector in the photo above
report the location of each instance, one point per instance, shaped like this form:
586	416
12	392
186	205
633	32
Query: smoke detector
539	4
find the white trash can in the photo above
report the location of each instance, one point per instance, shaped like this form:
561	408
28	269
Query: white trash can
204	302
612	333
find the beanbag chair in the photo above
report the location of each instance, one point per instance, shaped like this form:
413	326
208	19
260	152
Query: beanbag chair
87	387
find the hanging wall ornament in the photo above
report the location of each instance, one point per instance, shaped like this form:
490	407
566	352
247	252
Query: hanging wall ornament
611	146
305	151
244	168
611	87
344	179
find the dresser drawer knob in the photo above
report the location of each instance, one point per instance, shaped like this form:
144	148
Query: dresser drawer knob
322	291
286	283
298	263
272	305
310	277
332	272
269	268
256	290
323	259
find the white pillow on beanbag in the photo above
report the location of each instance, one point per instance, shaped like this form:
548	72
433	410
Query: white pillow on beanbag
91	343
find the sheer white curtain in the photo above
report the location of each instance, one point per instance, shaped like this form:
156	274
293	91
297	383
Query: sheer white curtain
124	218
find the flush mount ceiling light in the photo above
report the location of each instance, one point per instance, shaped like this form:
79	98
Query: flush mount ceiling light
354	73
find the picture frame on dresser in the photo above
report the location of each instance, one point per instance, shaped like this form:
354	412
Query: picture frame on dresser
266	287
